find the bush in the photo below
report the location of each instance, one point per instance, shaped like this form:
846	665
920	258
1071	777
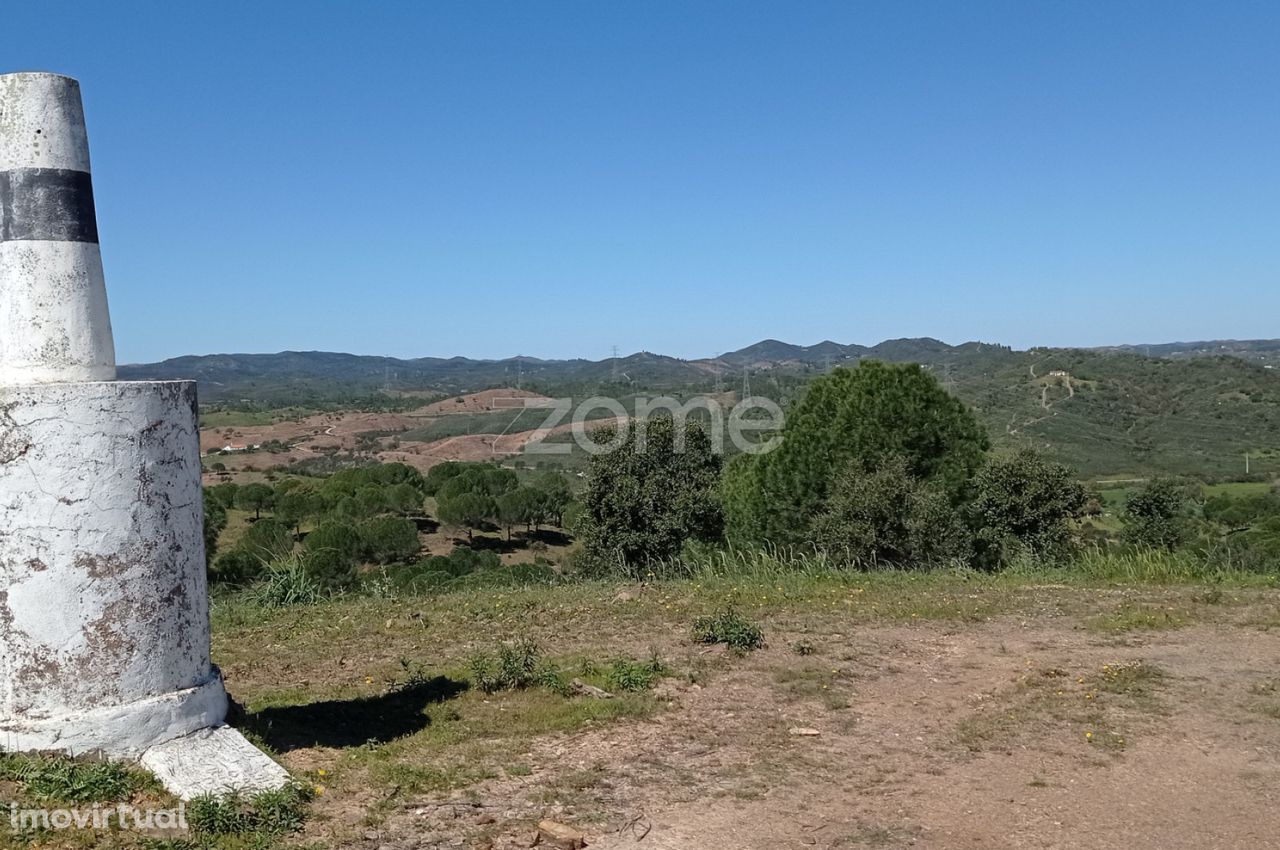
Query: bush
384	540
518	666
647	497
236	568
462	561
287	583
730	628
887	518
340	536
626	674
329	568
1157	515
1028	500
267	539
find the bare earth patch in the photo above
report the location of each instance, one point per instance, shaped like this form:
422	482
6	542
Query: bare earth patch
1029	726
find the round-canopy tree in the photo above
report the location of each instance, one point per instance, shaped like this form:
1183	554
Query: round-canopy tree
852	419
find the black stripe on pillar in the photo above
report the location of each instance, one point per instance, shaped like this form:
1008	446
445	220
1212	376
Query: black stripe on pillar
53	204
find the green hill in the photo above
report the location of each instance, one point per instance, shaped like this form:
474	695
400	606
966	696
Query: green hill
1107	412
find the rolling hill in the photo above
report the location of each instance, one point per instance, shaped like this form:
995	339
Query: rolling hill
1108	412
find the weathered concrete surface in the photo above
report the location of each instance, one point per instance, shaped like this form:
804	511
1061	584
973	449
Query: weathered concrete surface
104	611
54	320
213	761
103	600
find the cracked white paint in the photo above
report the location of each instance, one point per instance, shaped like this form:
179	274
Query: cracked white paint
103	601
104	619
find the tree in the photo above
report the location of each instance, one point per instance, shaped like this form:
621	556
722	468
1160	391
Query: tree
371	499
557	494
339	537
649	495
886	518
267	540
387	539
215	520
526	506
441	473
1029	500
467	510
852	419
255	497
1157	515
404	499
296	504
224	494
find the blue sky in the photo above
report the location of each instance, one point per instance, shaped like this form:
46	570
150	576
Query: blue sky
554	179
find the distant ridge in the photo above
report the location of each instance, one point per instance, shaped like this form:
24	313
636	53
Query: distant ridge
222	374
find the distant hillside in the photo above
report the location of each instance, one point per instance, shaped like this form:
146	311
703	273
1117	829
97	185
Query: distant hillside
1105	411
1264	350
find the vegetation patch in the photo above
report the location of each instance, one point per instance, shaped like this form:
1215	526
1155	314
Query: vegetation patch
1134	617
1095	708
730	628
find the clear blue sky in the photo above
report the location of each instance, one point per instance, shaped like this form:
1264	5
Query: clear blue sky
553	179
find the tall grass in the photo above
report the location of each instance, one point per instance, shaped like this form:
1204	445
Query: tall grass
1144	566
287	582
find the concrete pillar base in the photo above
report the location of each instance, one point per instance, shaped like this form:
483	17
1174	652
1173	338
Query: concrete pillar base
213	761
119	731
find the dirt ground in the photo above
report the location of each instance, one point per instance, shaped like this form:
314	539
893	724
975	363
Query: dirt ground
1059	721
330	432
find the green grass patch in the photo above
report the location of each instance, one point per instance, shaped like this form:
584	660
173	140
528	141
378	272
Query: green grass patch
1134	617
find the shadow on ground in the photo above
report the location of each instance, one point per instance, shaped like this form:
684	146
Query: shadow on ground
354	722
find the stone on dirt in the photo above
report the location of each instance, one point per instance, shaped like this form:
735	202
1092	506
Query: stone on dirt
560	836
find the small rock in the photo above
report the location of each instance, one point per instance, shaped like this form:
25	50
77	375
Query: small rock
804	732
583	689
560	836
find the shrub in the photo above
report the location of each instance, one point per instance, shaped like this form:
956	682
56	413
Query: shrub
236	568
1028	499
329	568
649	495
268	539
384	540
287	583
626	674
518	666
339	536
1157	515
887	518
730	628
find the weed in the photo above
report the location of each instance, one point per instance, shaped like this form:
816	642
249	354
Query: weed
803	648
264	815
729	627
628	675
288	583
1132	618
518	666
68	780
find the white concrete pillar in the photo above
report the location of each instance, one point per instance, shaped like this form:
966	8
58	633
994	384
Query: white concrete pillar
54	324
104	617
